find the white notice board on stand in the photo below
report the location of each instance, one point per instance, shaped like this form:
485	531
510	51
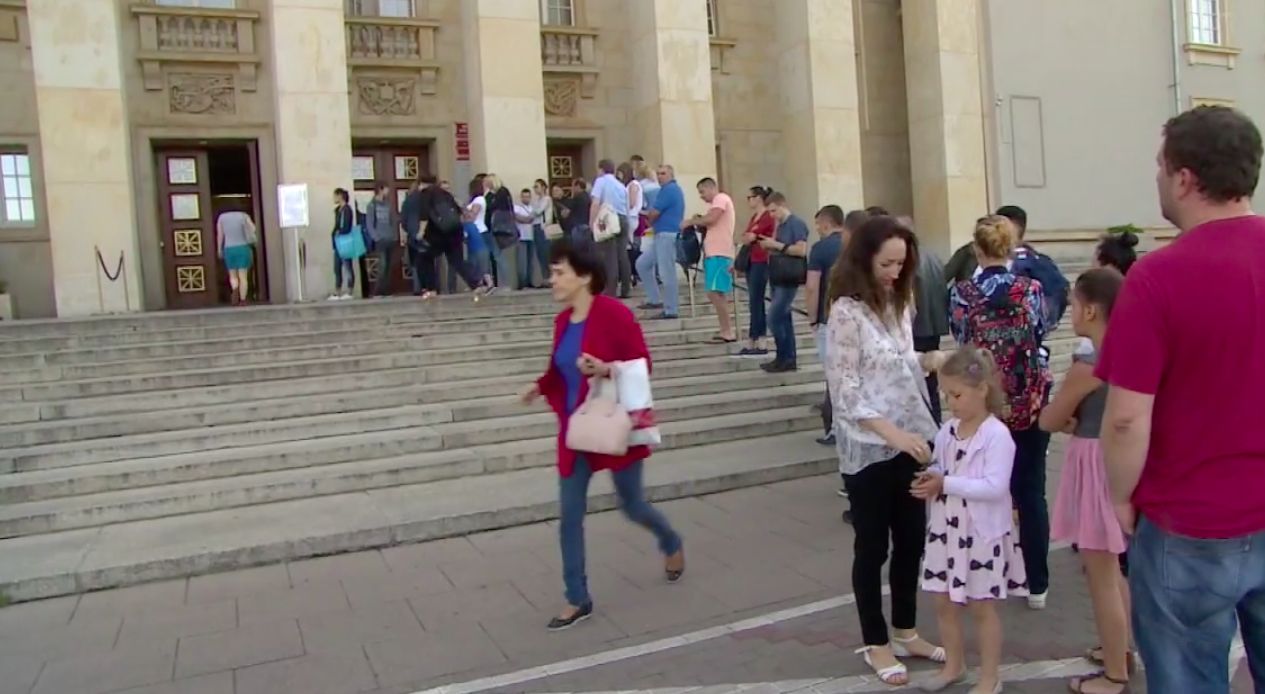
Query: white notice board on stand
292	207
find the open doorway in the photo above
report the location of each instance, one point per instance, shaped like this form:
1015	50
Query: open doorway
196	185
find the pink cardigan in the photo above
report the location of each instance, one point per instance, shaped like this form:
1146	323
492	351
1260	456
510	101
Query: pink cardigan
985	481
611	333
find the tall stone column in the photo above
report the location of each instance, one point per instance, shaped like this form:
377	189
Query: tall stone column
819	102
87	167
313	127
505	90
673	117
946	122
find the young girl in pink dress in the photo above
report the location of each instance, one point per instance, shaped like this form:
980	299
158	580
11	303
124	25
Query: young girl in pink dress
1083	513
971	556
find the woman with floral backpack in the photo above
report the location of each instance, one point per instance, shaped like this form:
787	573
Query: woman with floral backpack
1004	313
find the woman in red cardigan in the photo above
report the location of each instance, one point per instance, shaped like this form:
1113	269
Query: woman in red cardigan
591	333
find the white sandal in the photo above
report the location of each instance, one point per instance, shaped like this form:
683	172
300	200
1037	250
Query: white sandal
887	674
900	650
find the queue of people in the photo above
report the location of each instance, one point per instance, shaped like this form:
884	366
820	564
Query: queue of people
1162	465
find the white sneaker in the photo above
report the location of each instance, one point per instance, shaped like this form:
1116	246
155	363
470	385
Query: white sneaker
346	296
1036	601
333	297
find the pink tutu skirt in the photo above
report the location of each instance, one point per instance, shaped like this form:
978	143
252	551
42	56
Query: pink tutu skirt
1082	511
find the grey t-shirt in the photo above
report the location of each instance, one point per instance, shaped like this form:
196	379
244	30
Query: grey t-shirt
234	225
1089	413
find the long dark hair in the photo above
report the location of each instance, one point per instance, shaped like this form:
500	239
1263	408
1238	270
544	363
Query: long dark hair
853	275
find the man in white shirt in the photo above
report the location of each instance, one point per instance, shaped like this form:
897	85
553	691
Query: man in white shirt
524	217
608	191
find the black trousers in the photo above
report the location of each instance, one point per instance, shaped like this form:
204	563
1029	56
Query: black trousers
424	264
1027	489
885	514
923	345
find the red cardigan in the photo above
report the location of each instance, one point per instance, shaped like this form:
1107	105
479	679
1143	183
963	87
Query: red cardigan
611	333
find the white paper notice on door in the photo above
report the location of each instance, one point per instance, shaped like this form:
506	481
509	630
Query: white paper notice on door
292	203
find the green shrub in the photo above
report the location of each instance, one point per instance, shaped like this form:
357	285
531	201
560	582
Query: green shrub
1122	228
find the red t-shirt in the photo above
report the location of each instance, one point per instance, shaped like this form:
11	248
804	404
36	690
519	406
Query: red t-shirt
1189	328
761	225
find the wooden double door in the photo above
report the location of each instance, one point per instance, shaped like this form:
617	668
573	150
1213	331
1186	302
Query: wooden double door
195	186
565	163
399	167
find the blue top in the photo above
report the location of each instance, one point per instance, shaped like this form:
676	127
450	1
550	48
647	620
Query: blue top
791	231
649	193
821	258
607	189
565	358
670	202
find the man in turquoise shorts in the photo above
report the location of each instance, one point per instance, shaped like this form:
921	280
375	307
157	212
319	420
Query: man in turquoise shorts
718	254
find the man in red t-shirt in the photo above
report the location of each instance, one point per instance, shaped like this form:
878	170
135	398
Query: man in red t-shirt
1182	435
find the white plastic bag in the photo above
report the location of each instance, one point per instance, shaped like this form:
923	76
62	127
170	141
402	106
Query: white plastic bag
632	384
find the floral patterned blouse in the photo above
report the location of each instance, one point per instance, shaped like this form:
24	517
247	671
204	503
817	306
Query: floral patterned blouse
873	373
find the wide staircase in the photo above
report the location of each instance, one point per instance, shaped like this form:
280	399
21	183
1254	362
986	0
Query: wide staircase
144	447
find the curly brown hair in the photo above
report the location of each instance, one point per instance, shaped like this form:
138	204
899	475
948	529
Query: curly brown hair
853	275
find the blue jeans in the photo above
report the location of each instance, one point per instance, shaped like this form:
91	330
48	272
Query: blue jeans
781	325
757	289
344	267
661	257
541	243
573	495
1188	596
493	266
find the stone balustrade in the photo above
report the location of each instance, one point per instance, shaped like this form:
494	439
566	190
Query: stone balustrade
391	42
571	51
192	35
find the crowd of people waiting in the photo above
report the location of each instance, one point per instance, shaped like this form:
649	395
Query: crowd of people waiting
1163	460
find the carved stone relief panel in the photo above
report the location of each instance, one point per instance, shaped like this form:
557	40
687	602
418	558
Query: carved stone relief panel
201	93
387	96
561	96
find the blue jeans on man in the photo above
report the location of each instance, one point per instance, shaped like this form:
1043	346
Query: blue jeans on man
1189	595
573	494
661	256
781	325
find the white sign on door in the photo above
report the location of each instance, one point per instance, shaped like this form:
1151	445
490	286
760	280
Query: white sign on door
292	203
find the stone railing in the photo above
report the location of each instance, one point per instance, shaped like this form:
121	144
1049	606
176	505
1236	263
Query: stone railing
196	35
389	42
571	50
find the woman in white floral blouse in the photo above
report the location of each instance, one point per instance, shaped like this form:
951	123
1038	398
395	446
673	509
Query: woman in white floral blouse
883	429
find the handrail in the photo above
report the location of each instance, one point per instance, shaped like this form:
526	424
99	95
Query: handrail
119	271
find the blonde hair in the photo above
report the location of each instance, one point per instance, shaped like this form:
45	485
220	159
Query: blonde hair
493	181
643	170
995	236
976	366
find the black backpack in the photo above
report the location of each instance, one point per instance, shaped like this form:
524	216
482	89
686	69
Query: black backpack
445	216
689	247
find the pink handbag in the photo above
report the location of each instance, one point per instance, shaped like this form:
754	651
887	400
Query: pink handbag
599	425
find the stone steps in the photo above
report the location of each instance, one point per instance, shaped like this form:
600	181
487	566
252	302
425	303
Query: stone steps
51	564
156	446
520	452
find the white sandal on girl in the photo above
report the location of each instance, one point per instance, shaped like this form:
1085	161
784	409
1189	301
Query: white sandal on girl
900	648
889	674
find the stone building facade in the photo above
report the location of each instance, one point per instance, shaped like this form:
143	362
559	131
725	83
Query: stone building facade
130	124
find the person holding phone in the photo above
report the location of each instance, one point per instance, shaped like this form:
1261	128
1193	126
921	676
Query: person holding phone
883	432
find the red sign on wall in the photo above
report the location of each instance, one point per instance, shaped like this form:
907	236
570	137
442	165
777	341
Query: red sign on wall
463	141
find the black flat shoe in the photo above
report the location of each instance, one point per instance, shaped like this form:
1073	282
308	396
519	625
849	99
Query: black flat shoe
827	440
561	623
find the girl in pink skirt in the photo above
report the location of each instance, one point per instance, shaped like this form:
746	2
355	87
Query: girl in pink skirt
1083	513
971	557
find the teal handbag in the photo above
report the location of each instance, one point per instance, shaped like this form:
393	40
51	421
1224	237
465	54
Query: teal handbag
350	246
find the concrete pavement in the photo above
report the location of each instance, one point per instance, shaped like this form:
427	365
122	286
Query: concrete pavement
765	605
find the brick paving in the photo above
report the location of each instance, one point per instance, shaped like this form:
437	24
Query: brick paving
411	617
